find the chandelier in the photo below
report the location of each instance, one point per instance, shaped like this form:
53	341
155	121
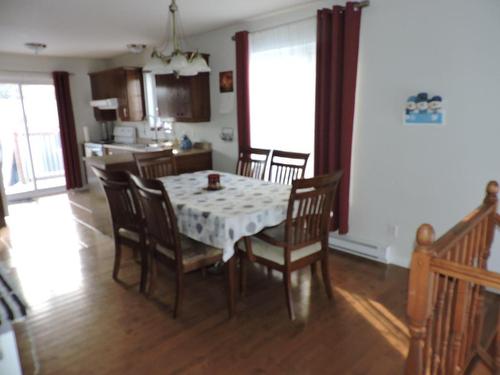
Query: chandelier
177	61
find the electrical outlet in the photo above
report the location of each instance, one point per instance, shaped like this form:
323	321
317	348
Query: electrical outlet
393	230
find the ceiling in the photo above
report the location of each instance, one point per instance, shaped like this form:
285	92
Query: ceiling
103	28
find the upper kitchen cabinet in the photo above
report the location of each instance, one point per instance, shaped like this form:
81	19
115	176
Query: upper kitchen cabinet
187	99
124	84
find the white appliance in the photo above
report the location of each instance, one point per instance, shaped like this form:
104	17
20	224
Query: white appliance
93	149
3	198
111	103
125	135
9	356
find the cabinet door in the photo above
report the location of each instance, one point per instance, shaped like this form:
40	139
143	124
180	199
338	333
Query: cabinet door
100	84
125	84
135	94
119	89
174	96
200	97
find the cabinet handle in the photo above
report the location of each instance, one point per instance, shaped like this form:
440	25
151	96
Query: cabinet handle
124	112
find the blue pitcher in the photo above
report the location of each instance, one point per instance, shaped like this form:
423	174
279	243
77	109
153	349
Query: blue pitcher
186	143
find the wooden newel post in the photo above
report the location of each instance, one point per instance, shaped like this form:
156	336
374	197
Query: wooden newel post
490	199
419	298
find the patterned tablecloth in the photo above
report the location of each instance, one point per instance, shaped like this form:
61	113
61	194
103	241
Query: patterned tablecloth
220	218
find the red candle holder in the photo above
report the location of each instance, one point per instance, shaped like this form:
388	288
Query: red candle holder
214	181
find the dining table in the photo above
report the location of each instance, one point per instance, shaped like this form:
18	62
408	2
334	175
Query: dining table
243	206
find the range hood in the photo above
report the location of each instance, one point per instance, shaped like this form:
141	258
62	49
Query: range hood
111	103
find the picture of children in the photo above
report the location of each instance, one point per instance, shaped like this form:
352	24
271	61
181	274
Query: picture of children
420	110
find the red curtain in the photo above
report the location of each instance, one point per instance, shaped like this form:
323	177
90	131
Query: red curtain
242	89
69	144
336	69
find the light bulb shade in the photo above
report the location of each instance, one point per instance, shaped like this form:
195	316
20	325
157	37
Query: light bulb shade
188	71
200	64
163	69
178	62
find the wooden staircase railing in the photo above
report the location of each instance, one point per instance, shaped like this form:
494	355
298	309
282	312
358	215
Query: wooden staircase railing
446	294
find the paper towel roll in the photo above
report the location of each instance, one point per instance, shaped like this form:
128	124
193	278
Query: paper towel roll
86	135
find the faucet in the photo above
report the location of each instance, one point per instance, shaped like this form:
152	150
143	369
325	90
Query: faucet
158	123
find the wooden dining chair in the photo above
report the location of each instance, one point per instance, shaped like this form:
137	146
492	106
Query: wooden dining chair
301	240
252	162
287	166
155	164
127	222
166	244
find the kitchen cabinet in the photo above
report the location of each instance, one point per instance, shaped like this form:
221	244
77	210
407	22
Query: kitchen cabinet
187	99
125	84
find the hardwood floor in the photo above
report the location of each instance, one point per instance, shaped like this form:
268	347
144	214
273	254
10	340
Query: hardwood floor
82	322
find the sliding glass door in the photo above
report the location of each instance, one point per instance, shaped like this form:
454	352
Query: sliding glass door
31	156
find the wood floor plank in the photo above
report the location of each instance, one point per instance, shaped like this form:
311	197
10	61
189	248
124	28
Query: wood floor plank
83	322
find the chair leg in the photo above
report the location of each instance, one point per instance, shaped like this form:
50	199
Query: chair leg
153	274
287	281
118	257
178	292
325	270
269	273
314	269
144	268
135	255
243	275
230	268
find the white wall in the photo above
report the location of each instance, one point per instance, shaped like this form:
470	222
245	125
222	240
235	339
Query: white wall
25	66
407	176
400	176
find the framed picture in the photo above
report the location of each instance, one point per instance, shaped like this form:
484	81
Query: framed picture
226	81
424	109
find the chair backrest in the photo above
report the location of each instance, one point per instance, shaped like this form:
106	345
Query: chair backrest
123	205
446	293
309	208
287	166
158	213
155	164
252	162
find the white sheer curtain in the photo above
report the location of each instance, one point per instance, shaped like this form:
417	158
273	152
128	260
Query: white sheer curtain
282	88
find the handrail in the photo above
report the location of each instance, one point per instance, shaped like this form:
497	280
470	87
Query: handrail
466	273
462	228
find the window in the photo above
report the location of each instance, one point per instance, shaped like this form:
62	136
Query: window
282	88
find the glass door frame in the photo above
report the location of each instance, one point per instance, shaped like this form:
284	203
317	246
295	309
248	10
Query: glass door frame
35	192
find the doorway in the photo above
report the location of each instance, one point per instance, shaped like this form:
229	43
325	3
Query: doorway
31	153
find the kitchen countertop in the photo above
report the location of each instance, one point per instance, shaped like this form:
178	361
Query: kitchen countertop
136	147
125	158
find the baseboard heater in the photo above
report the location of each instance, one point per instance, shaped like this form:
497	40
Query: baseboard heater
360	248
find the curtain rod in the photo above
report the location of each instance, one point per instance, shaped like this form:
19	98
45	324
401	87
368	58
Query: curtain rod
361	4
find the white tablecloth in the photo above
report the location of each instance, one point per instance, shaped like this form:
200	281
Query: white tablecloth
220	218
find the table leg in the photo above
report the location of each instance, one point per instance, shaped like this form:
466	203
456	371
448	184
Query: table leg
231	281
